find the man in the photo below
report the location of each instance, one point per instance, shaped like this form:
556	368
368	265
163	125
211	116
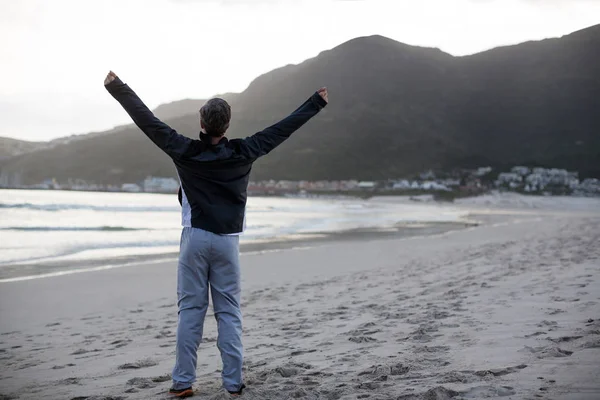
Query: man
214	174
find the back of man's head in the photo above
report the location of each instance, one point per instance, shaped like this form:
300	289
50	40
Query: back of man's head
215	116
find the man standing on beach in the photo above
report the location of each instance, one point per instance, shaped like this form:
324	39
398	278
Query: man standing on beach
214	174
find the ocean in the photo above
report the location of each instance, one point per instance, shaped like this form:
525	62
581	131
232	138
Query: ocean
70	229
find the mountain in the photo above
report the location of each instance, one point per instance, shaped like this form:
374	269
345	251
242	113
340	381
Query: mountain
395	110
177	108
13	147
10	147
180	108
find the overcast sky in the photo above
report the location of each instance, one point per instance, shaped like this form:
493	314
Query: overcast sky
55	54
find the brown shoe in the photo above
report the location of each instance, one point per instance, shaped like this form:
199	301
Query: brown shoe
181	393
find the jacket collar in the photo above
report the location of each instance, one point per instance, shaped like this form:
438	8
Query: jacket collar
207	140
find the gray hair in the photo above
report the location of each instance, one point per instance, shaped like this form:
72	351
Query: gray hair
215	115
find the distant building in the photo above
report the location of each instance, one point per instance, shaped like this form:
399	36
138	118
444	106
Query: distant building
155	184
509	178
349	185
401	185
431	185
589	187
483	170
451	182
427	175
10	179
523	171
365	185
542	180
131	187
51	184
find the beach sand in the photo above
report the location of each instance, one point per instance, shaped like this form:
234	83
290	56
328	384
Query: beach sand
509	309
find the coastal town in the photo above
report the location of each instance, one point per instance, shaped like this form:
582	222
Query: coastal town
444	185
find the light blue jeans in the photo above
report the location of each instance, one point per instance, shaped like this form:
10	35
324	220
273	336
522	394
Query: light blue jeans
207	259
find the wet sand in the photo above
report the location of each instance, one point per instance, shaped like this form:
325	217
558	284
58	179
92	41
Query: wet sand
18	271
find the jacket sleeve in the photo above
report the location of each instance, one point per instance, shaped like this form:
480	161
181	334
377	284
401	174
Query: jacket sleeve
172	143
266	140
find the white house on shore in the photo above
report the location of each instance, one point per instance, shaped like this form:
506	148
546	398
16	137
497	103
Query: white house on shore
131	187
366	185
534	180
155	184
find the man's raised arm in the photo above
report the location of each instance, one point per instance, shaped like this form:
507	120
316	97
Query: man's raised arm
172	143
266	140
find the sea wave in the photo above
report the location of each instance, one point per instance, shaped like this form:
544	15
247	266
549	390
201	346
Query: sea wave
72	228
73	250
65	207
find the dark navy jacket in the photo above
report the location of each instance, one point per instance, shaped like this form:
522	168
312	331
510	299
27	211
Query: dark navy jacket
214	178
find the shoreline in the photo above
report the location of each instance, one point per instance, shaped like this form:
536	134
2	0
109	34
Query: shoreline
27	271
480	210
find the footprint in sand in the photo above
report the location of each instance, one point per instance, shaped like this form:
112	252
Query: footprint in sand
139	364
422	334
564	339
141	383
164	334
593	344
63	366
438	393
91	318
384	370
480	392
300	352
363	332
499	371
293	369
161	378
551	324
459	377
431	349
548	351
69	381
362	339
473	376
84	351
121	343
535	334
145	383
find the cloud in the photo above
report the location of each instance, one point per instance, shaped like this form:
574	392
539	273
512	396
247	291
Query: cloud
536	1
545	2
229	2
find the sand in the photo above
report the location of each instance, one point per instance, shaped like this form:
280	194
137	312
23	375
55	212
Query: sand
508	309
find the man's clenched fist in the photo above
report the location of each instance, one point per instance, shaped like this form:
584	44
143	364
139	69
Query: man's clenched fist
323	93
110	77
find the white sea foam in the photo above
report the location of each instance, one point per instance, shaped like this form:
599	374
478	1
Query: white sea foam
55	226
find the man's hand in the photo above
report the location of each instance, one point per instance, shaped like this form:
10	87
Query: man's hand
109	78
323	93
